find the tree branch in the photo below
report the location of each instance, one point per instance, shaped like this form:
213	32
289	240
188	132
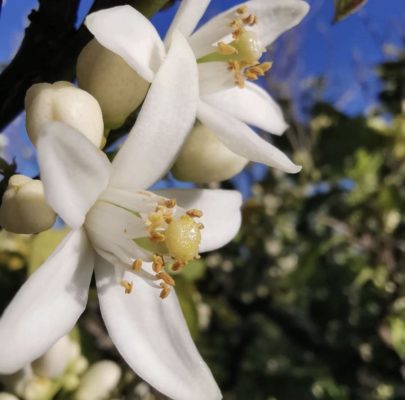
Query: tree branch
50	49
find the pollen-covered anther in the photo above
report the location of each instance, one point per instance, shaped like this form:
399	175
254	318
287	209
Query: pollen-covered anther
157	236
251	20
137	265
241	10
127	286
169	203
158	263
178	266
226	49
194	213
166	278
165	290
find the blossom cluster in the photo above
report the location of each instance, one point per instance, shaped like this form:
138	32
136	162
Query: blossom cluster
196	100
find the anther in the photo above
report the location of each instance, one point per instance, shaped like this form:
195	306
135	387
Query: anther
200	226
194	213
165	290
241	10
166	278
157	263
178	266
137	265
157	237
169	203
250	20
127	286
226	49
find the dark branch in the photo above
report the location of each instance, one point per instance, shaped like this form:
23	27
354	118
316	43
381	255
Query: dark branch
50	49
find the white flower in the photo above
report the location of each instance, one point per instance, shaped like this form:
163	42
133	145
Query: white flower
105	206
227	48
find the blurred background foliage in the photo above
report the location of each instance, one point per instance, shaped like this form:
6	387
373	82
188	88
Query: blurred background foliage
308	302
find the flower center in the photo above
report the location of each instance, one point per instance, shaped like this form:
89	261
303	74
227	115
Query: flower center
132	229
243	53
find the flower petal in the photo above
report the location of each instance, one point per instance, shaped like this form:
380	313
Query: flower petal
167	116
126	32
48	305
214	77
221	213
274	18
153	338
252	105
242	140
73	170
187	17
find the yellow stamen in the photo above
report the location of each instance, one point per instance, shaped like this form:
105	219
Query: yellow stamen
241	10
157	237
250	20
194	213
226	49
137	265
166	278
178	266
157	263
127	286
169	203
165	290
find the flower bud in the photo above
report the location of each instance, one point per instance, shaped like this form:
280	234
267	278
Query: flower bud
99	381
204	158
24	208
61	101
7	396
54	362
116	86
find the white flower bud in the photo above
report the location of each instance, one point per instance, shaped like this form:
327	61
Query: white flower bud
61	101
99	381
7	396
24	208
55	361
116	86
204	158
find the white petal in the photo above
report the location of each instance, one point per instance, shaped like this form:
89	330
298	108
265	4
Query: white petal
126	32
242	140
167	116
252	105
153	338
214	77
274	18
221	213
187	17
73	170
48	305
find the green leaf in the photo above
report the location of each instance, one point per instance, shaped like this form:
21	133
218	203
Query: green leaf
344	8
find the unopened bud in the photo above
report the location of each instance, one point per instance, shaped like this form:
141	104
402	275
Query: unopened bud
24	208
116	86
7	396
54	362
204	158
99	381
61	101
